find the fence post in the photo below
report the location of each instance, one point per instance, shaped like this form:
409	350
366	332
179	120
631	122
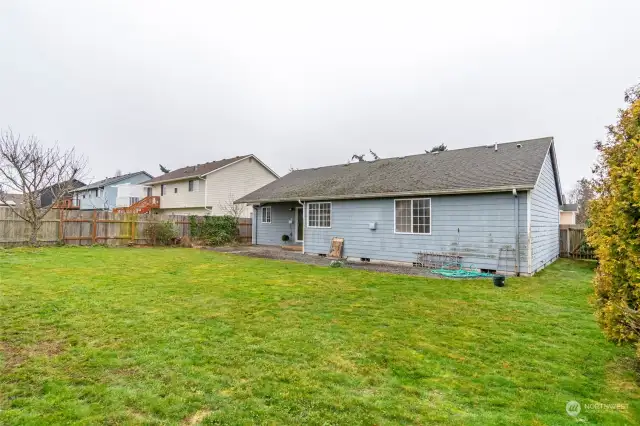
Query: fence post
133	230
60	227
93	227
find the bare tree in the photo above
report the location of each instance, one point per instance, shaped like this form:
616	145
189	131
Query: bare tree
118	173
231	209
163	169
360	158
30	168
581	194
373	154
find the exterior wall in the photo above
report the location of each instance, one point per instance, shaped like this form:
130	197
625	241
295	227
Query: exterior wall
222	187
106	199
270	234
567	218
196	211
545	230
485	221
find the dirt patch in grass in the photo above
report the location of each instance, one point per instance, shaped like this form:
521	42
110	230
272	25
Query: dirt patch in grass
14	356
274	252
196	418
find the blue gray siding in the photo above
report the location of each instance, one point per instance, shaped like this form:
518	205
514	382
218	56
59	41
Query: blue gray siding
485	221
271	233
545	218
89	200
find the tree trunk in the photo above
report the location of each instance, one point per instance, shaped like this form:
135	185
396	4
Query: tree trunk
33	236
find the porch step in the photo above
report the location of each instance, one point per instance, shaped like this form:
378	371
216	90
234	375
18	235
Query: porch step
292	248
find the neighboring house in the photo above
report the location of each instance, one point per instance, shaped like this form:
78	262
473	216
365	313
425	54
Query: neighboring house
128	194
102	195
48	194
568	214
211	188
482	203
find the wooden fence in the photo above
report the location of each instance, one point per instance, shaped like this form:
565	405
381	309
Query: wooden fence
78	227
573	243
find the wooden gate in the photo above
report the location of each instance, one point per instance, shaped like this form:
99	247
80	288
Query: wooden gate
573	243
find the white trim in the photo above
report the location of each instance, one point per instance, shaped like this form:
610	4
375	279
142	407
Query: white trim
330	215
529	235
296	225
262	215
417	194
242	159
412	233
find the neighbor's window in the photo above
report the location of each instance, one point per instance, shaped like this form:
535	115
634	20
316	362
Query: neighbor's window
96	192
190	186
319	215
163	189
175	190
413	216
266	214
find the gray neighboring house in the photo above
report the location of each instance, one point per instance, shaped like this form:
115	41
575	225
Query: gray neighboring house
483	203
101	195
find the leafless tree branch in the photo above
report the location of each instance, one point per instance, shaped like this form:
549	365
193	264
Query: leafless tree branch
28	167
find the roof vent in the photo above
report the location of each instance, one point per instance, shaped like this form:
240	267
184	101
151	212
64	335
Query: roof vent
519	145
495	147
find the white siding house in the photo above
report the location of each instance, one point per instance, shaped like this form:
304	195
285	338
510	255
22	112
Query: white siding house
211	188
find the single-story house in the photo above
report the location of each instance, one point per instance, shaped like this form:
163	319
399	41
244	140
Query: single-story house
494	207
102	195
209	189
568	214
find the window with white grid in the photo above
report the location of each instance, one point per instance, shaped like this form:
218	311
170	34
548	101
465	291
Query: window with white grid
266	214
413	216
319	215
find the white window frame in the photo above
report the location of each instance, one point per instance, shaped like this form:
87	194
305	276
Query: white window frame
307	208
265	209
412	233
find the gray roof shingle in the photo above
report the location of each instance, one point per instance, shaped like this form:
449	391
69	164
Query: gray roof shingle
195	171
569	207
475	169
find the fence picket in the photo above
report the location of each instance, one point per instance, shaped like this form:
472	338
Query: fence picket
86	227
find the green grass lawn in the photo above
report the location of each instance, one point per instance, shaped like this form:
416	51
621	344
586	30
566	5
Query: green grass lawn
164	336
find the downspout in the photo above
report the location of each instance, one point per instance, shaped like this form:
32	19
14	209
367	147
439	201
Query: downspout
304	236
516	214
205	196
255	219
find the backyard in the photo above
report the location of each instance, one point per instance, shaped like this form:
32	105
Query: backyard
170	336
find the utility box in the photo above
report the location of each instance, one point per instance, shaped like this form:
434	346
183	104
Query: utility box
372	226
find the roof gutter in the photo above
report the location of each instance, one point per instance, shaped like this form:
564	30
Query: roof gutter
387	194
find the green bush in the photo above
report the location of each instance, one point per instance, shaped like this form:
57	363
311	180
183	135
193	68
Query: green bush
214	230
160	233
615	224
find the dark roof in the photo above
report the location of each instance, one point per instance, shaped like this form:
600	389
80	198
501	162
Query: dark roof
477	169
110	181
569	207
202	169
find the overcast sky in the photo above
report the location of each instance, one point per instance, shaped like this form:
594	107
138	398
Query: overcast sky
132	84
